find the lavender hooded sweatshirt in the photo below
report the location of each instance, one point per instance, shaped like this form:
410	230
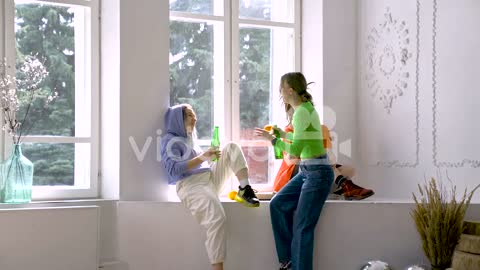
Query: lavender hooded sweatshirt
176	149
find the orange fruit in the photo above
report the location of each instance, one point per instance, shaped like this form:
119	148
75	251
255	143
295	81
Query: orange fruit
268	128
232	195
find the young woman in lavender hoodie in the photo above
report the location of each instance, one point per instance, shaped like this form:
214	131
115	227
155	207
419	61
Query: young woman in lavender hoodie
199	180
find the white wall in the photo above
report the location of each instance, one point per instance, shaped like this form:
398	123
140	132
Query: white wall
312	48
144	84
135	87
2	33
162	235
110	100
428	130
107	210
49	238
339	75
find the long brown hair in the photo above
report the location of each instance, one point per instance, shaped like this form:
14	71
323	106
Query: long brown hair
297	81
194	135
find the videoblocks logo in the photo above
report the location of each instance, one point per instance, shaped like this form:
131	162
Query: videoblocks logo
339	146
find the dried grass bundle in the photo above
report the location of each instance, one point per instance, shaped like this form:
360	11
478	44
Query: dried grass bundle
439	221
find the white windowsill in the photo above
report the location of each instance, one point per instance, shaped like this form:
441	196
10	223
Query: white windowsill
223	199
54	203
370	200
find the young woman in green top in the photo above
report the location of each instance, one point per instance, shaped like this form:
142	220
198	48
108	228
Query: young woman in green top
296	208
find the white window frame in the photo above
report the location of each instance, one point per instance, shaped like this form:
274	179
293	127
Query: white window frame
229	94
87	47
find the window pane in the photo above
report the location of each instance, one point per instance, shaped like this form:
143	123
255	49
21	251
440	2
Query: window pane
257	160
52	33
206	7
269	10
255	82
265	55
53	163
192	70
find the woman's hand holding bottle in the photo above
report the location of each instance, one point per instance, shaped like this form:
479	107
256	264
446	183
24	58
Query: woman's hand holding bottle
211	154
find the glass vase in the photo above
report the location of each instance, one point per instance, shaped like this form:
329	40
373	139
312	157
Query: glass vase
16	178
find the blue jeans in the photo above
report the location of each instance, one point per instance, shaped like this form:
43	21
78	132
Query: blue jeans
294	230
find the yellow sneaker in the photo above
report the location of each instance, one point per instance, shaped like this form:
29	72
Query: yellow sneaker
247	197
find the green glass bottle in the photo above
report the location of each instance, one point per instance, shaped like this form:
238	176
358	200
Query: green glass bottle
215	140
277	150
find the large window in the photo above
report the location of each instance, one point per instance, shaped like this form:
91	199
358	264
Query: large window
226	59
62	141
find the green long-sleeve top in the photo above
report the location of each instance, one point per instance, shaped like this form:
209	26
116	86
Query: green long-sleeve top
306	141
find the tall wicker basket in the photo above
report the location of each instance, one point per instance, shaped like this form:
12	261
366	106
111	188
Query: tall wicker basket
467	252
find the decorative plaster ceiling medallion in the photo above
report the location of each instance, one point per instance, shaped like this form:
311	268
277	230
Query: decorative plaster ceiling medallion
388	57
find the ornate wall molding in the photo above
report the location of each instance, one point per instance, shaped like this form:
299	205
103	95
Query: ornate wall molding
388	53
392	67
449	164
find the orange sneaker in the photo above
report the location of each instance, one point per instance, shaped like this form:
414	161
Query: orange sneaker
353	192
